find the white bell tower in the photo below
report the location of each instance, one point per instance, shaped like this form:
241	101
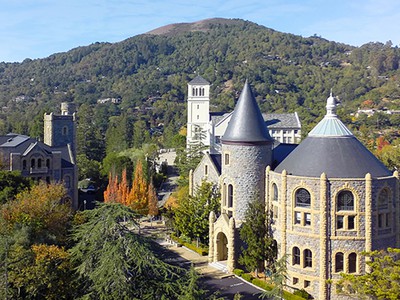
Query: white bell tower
198	112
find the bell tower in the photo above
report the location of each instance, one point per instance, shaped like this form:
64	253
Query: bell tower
198	112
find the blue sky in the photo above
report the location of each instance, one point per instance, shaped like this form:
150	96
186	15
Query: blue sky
39	28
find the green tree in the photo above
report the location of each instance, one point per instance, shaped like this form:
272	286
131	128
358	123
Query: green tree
114	262
88	168
192	213
278	279
258	243
12	183
382	282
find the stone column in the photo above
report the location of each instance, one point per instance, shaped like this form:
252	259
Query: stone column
191	182
368	217
323	233
397	203
211	239
231	245
267	197
283	212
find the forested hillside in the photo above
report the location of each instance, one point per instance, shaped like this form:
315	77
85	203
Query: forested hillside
149	74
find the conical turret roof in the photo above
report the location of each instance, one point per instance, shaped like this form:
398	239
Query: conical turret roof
247	126
332	149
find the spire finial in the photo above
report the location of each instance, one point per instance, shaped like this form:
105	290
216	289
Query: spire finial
331	106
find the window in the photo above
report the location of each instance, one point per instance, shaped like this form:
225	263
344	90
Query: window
275	192
340	222
345	201
352	263
32	163
206	170
48	163
39	163
198	106
307	219
297	217
275	212
339	262
226	156
350	222
296	256
193	91
198	117
387	221
383	199
224	195
307	258
24	164
295	280
307	283
65	130
67	181
303	198
230	195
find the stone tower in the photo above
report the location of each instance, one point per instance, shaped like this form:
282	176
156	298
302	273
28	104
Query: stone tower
246	152
60	130
198	112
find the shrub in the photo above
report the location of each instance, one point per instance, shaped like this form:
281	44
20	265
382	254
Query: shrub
302	293
247	277
289	296
262	284
238	272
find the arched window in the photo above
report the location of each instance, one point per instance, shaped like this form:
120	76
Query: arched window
48	163
339	262
345	201
352	262
224	195
296	256
39	163
275	192
230	195
32	163
303	198
24	164
307	258
193	91
383	199
205	169
65	130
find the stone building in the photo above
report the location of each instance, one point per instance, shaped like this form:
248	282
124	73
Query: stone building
209	127
53	160
329	198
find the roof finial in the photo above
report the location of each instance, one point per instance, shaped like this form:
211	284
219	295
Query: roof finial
331	106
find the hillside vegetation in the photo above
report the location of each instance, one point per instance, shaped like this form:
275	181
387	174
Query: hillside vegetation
149	74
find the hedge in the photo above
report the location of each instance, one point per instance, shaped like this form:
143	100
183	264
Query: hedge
264	285
200	250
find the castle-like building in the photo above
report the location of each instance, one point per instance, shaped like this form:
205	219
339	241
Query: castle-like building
329	198
53	160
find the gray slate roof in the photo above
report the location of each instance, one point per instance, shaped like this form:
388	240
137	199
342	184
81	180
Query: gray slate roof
247	124
332	149
337	157
288	120
198	80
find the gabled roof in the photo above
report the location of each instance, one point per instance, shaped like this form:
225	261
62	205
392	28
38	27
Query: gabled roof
288	120
247	123
332	149
198	80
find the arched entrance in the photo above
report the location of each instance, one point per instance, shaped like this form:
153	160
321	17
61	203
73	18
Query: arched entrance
222	247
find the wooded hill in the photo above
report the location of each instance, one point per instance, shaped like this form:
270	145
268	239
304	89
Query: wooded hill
149	73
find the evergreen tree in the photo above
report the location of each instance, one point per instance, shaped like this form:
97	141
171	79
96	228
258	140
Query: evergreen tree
255	234
114	262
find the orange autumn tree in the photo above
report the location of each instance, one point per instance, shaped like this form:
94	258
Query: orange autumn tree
138	196
110	194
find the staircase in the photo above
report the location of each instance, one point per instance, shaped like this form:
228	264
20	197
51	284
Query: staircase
219	265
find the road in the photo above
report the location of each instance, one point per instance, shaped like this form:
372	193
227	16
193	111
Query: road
215	281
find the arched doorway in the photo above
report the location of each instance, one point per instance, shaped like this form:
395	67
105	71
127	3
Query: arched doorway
222	247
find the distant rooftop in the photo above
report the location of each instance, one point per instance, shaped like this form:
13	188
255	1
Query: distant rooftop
198	80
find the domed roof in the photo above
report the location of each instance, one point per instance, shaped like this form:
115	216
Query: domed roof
332	149
247	125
